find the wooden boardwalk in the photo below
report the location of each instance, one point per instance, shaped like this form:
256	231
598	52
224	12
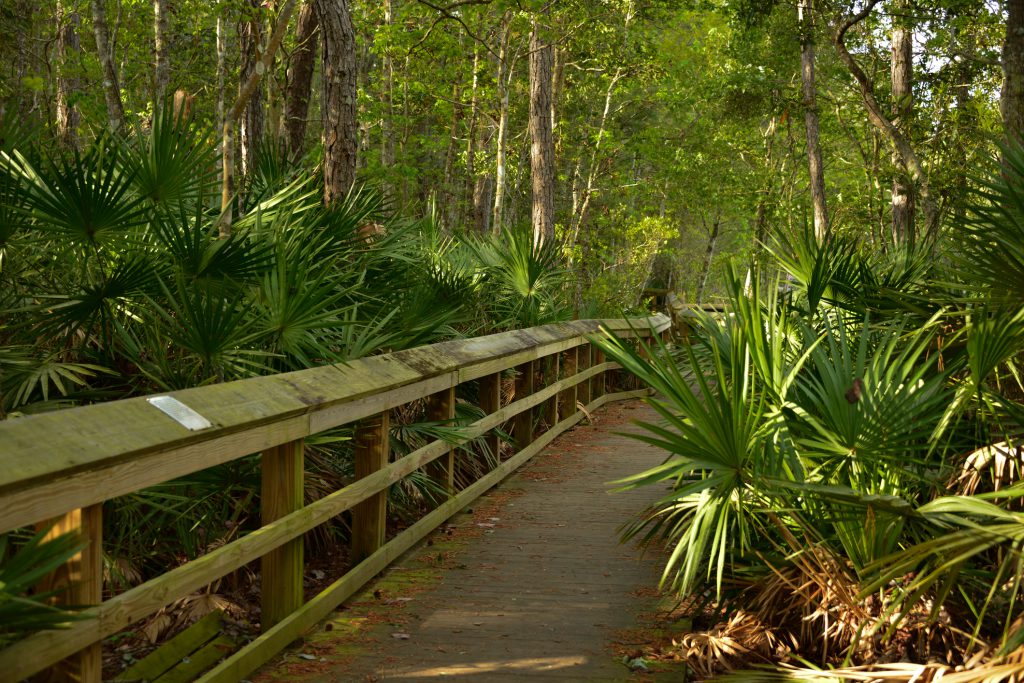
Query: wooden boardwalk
531	585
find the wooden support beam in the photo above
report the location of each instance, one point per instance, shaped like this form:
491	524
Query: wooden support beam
441	408
523	429
489	400
369	518
599	383
80	582
281	493
583	361
567	398
550	408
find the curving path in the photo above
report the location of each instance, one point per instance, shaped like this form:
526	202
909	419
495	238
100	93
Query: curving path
531	585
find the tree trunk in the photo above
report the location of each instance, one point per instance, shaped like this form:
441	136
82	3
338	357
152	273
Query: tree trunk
503	78
111	89
449	186
810	103
300	80
250	43
222	48
878	119
387	124
542	147
68	49
162	69
340	128
581	198
471	140
709	254
903	110
244	95
1011	103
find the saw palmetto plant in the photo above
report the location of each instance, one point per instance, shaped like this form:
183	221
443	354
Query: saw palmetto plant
843	460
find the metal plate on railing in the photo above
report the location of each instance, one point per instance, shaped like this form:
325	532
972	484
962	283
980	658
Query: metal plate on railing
179	412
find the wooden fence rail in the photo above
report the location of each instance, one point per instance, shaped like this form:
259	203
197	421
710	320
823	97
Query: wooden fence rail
62	466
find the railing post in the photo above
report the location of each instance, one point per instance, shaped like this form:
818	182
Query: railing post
80	581
523	426
489	400
441	408
567	396
582	363
281	493
598	382
369	518
550	377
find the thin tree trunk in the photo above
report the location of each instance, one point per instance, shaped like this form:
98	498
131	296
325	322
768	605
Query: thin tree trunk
250	40
1011	103
542	147
448	184
709	254
503	79
228	130
111	89
300	80
162	69
68	49
222	48
340	128
471	141
814	162
878	119
582	205
387	124
902	69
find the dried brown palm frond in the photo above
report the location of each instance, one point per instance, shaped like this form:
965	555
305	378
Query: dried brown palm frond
982	668
991	467
743	639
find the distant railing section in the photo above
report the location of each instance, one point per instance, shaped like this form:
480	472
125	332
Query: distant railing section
60	467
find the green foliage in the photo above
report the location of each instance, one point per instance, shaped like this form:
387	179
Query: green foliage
842	416
22	567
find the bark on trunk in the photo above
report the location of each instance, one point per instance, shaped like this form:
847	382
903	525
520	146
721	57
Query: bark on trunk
300	80
340	128
162	64
709	255
542	147
810	103
502	81
902	71
250	43
222	48
581	197
1011	104
111	89
244	95
68	49
878	119
387	124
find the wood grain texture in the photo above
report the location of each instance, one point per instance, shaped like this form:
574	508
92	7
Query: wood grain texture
77	458
489	400
369	517
523	426
281	493
56	462
441	408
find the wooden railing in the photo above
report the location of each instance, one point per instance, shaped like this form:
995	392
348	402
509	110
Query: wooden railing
60	467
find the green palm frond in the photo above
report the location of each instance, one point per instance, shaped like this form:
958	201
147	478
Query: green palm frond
173	163
86	198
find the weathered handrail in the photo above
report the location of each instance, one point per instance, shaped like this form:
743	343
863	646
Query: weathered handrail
62	466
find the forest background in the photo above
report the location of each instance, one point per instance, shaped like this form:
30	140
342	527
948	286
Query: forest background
678	129
194	192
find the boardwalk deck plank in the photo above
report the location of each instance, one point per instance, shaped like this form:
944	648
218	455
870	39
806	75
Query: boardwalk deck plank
541	595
